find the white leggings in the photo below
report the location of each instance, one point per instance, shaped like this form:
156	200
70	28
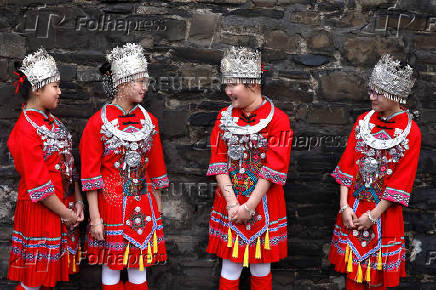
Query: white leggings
29	288
232	270
112	277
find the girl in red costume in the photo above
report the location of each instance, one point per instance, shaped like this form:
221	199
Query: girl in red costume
376	175
49	206
251	145
122	171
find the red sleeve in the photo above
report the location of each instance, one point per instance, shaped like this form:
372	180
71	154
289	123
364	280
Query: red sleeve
345	170
29	161
218	156
91	153
278	151
400	183
156	167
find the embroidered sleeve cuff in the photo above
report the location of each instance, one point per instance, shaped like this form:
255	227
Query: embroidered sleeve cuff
396	195
342	177
94	183
41	192
217	168
273	176
160	182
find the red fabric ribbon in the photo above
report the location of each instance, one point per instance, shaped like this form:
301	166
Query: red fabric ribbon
18	83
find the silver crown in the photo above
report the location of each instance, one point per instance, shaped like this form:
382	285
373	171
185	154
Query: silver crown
241	65
389	79
128	63
40	69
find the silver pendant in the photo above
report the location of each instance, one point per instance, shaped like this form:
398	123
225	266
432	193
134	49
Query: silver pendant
133	159
235	152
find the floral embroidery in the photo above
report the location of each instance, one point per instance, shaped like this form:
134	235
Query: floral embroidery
217	168
342	177
92	183
273	176
41	192
396	195
160	182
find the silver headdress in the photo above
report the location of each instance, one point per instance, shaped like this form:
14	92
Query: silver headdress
40	69
128	63
389	79
241	65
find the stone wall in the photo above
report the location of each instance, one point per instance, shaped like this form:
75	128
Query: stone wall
316	55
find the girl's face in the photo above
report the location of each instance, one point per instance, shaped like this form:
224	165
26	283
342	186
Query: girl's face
240	95
380	103
133	91
48	96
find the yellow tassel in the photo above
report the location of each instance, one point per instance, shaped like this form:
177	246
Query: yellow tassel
350	262
267	240
154	243
347	251
379	260
126	255
359	274
79	254
141	262
235	248
149	254
229	238
368	271
246	256
74	264
258	254
68	258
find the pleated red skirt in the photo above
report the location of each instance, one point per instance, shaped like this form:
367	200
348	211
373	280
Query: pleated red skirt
277	231
43	250
392	248
112	249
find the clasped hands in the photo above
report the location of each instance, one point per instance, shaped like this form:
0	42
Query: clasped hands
73	216
351	221
237	214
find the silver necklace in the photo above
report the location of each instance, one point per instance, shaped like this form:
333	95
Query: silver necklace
228	123
129	140
373	142
143	133
60	141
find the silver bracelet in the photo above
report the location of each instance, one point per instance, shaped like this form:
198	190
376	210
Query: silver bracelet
370	217
344	208
80	202
250	211
97	223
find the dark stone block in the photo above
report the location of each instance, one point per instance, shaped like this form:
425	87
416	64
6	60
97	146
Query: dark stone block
82	57
203	27
423	254
344	86
174	30
328	115
305	17
287	91
366	51
68	72
238	40
173	123
312	59
12	45
270	13
279	40
201	55
4	75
